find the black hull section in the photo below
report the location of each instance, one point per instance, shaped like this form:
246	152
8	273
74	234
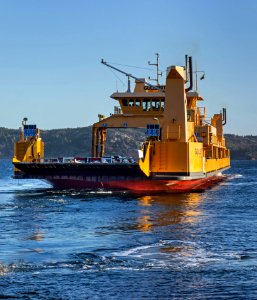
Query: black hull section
36	170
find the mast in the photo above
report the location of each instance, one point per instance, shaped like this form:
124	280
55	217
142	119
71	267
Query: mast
130	75
157	64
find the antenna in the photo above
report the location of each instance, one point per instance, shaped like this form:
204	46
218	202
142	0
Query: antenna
196	76
157	64
128	91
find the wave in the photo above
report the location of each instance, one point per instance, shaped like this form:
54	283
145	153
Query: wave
175	254
251	183
13	185
170	255
239	180
234	176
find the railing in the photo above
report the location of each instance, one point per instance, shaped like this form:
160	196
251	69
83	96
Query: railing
89	160
206	121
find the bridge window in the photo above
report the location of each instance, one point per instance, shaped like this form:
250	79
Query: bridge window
146	104
125	102
162	104
138	102
131	102
155	104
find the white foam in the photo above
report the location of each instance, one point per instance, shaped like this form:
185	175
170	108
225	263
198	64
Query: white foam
234	176
187	255
134	251
100	192
239	183
24	184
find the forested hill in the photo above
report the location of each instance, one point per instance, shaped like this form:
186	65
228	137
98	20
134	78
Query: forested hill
77	142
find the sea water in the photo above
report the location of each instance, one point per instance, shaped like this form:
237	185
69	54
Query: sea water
103	245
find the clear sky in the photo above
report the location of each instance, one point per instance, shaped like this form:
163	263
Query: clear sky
50	50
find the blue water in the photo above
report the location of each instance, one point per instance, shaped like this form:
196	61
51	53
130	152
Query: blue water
78	245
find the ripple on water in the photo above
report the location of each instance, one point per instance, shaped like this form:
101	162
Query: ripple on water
149	250
181	255
172	255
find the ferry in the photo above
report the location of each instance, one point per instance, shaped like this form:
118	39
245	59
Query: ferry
184	151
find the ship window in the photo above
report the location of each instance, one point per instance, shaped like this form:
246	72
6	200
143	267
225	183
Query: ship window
190	115
146	104
138	103
125	102
155	104
131	102
162	104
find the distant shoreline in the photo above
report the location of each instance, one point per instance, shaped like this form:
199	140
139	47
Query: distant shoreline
77	142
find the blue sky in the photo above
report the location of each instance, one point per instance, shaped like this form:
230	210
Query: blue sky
50	67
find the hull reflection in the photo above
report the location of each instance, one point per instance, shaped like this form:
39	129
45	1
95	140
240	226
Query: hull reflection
169	209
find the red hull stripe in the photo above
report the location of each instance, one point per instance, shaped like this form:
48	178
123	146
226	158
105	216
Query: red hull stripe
140	186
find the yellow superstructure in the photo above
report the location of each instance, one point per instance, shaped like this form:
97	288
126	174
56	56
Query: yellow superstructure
30	147
182	142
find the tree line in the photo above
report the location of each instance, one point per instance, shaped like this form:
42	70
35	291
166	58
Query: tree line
125	142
